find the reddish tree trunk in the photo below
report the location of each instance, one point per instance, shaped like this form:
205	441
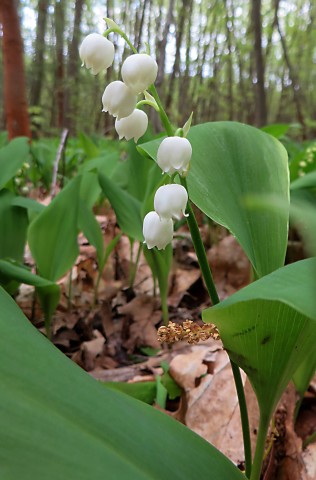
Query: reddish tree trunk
16	110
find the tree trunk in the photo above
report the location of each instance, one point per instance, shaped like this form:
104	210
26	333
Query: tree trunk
294	81
16	109
230	79
260	94
71	103
176	66
38	63
59	28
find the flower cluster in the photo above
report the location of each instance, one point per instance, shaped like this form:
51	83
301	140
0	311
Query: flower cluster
139	71
189	331
169	203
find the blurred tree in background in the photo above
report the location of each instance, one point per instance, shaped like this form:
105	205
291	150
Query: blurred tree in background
253	62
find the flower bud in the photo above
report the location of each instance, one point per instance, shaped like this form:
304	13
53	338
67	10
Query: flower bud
170	201
157	233
174	155
96	52
118	100
139	71
133	126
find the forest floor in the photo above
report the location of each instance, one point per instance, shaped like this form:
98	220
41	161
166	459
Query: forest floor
114	338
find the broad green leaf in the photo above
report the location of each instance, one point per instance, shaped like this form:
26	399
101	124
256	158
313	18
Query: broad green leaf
48	292
144	391
277	130
105	164
89	188
52	236
12	157
231	161
138	169
90	148
14	222
127	208
269	327
90	227
28	203
307	181
160	262
59	423
305	373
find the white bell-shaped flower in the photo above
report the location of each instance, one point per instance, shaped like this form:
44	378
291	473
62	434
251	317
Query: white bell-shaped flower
96	52
118	100
139	71
157	232
133	126
170	201
174	155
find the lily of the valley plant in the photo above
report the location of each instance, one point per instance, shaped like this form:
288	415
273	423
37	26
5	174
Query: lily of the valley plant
171	201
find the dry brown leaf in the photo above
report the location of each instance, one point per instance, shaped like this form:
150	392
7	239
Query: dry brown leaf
230	266
144	315
91	349
212	404
182	281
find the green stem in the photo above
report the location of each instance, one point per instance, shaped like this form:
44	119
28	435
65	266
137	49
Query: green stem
162	113
209	282
133	268
243	416
164	308
200	250
148	102
260	448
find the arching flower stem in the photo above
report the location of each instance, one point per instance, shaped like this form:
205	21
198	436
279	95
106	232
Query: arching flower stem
148	102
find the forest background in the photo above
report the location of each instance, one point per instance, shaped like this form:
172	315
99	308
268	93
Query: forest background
254	62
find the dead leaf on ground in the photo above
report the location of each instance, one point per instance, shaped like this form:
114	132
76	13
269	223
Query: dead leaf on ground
144	314
230	266
182	281
211	399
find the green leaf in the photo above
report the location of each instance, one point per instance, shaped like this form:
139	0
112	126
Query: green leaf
14	222
305	372
52	236
90	227
12	157
143	391
269	327
160	262
48	292
90	148
28	203
307	181
277	130
231	161
57	422
127	208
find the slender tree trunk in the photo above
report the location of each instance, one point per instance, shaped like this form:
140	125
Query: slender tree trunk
185	107
71	100
141	26
38	63
161	46
59	28
294	81
260	94
230	94
176	66
16	109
